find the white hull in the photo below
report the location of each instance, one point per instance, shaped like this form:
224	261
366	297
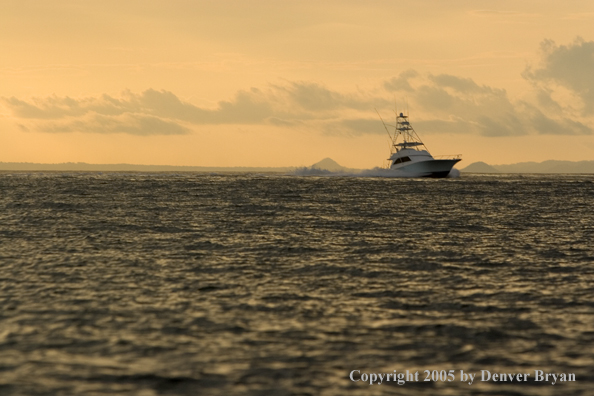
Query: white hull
430	168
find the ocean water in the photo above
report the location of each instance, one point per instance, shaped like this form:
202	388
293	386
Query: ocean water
197	284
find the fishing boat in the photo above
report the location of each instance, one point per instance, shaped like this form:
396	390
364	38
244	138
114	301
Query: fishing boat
409	154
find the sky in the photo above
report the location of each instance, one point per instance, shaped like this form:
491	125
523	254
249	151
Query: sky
271	83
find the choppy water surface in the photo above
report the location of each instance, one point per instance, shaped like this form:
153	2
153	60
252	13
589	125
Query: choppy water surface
192	284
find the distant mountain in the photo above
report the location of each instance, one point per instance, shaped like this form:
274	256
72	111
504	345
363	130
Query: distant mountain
550	166
328	164
479	167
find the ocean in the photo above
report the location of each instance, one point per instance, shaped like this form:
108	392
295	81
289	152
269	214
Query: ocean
268	284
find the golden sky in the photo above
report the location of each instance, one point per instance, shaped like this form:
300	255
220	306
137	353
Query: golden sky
287	83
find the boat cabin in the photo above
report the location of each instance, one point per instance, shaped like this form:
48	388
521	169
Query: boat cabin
409	155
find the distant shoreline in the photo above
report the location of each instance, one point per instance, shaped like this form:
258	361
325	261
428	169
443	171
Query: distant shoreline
82	167
550	166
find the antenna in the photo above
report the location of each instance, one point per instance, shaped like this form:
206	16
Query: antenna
395	117
395	108
407	106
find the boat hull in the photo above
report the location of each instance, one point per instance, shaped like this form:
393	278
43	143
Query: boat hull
431	168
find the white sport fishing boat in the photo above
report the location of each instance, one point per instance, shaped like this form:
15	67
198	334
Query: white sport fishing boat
409	154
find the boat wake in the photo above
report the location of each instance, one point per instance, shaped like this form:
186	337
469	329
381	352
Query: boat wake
454	174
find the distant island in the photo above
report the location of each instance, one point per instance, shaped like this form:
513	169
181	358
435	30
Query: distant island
327	164
550	166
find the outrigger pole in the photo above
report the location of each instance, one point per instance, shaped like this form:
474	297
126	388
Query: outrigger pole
391	138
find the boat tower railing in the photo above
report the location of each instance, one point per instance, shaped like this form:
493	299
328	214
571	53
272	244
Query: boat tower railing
448	156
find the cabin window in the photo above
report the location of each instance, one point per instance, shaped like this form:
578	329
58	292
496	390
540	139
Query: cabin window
400	160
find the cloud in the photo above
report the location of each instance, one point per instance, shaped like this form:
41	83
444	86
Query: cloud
477	109
569	66
401	83
131	114
151	112
162	112
451	104
553	126
312	96
48	108
317	101
134	125
465	85
439	103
